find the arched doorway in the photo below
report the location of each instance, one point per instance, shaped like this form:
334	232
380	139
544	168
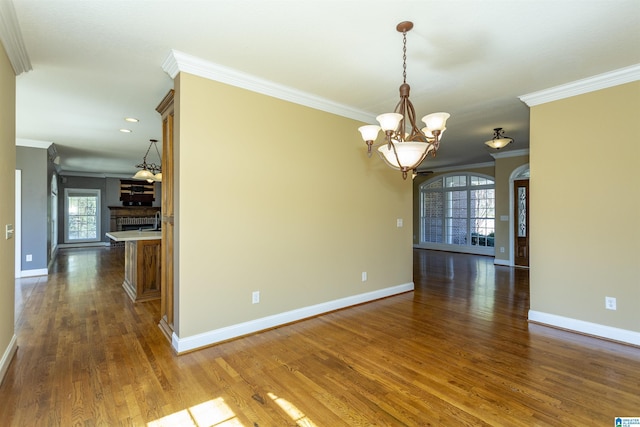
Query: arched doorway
519	184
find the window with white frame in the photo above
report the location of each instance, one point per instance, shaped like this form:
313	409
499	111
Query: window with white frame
82	215
458	210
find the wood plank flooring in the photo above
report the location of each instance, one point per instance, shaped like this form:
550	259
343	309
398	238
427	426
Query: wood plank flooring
456	352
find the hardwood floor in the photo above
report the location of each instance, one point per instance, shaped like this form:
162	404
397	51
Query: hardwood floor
457	351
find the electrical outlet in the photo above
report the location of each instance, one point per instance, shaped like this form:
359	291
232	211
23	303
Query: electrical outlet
501	249
399	222
610	303
29	258
364	276
8	231
255	297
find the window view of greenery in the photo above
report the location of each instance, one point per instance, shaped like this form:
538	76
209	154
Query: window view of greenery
82	222
458	210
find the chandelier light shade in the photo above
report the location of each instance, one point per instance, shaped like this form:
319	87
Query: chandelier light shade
149	171
405	145
499	140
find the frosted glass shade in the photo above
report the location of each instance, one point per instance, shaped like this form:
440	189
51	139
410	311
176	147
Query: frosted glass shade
143	174
158	177
389	121
436	121
410	154
369	132
427	132
499	143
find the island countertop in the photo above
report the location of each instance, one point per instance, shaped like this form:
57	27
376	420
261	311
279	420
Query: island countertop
124	236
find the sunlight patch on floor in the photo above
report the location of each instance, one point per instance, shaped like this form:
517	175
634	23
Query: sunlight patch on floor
213	413
296	415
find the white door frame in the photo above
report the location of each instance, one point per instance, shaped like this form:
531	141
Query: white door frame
17	224
516	174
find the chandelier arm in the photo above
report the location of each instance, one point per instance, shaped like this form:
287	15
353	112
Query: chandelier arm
411	113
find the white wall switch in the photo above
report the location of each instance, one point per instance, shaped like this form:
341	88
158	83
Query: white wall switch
364	276
399	222
610	303
29	258
8	231
255	297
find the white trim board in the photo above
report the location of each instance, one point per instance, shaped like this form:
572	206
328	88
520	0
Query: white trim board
83	245
588	328
512	153
206	339
11	38
7	357
178	61
33	273
579	87
33	143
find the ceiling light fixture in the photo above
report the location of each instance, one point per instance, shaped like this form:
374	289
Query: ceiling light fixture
499	140
131	120
150	171
125	130
403	150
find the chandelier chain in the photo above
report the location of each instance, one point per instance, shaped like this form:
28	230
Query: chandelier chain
404	56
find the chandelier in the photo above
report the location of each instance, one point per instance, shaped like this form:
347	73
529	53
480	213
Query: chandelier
499	140
404	150
150	171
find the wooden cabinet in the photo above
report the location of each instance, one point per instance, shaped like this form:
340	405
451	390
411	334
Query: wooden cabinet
142	272
169	144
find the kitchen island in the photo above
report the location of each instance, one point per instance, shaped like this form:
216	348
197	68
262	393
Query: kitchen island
142	263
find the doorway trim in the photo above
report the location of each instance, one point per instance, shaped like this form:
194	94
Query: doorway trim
521	172
17	224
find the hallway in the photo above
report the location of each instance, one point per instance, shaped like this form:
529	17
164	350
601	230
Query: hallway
456	351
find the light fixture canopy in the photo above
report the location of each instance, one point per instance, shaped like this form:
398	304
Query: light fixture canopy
404	150
499	140
149	171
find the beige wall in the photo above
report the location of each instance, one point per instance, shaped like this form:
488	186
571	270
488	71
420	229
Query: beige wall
7	207
585	207
282	199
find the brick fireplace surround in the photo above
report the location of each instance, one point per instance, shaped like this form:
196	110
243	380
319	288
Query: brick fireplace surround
125	218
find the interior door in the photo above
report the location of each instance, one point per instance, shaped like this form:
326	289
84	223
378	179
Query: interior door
521	214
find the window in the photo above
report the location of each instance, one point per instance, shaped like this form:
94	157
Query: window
457	212
82	215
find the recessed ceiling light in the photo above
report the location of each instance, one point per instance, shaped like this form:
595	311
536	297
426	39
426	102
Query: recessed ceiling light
125	130
131	119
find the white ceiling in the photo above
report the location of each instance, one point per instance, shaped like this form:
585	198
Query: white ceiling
97	62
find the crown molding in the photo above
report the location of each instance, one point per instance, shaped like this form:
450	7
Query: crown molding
11	38
511	153
579	87
95	174
461	167
33	143
177	62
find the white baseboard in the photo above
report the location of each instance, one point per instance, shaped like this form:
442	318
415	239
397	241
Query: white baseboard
33	273
7	357
182	345
83	245
595	329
